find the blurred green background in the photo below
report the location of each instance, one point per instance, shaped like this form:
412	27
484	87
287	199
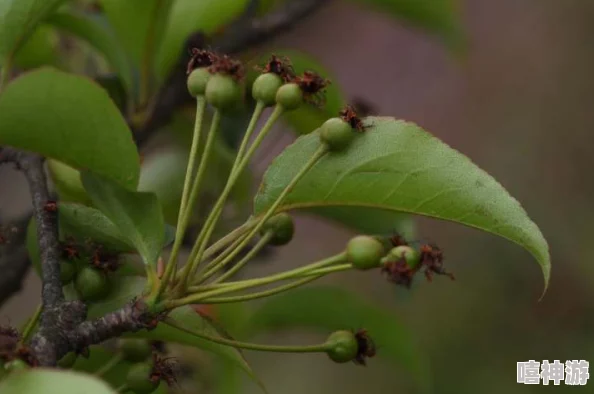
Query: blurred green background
515	97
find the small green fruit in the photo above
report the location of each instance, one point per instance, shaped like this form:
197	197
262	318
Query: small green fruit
68	360
411	256
91	284
67	271
344	346
197	81
139	380
135	350
265	88
336	134
282	227
365	252
15	365
222	92
289	96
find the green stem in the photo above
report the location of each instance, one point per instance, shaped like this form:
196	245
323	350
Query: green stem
223	255
321	348
261	294
322	150
246	284
240	264
109	365
197	252
183	215
122	389
30	326
248	133
228	239
329	270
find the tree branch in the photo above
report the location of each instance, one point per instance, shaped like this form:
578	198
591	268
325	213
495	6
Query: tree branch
131	318
46	217
248	31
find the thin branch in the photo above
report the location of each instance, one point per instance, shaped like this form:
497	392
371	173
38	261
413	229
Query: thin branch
131	318
239	36
46	216
47	340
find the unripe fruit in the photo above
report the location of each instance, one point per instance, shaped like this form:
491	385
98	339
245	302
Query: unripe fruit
68	360
336	134
282	227
265	88
91	284
344	346
139	380
135	350
15	365
411	256
289	96
67	271
365	252
222	91
197	81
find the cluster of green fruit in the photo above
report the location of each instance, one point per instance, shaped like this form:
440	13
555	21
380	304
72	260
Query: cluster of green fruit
91	282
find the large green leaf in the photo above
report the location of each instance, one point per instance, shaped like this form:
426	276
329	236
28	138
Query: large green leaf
71	119
102	39
397	166
53	381
329	309
137	214
190	16
18	20
189	318
441	17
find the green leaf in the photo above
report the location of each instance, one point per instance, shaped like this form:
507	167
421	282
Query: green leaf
308	118
190	16
84	223
100	38
137	214
67	182
189	318
52	381
441	17
397	166
39	50
328	309
18	20
70	119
